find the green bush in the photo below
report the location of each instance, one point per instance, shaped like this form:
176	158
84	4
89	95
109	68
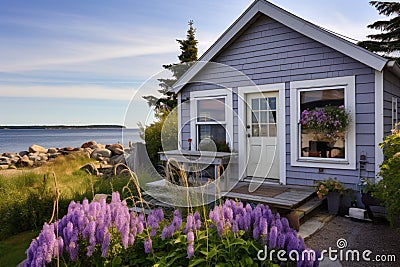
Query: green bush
161	135
388	189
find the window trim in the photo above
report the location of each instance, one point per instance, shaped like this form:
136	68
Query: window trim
228	123
348	84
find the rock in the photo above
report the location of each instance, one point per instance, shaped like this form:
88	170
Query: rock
44	158
68	148
52	150
25	161
88	144
101	153
52	155
37	149
34	157
12	167
117	149
23	153
14	160
9	154
90	168
117	159
97	146
4	161
4	167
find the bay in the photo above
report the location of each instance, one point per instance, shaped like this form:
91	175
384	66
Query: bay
16	140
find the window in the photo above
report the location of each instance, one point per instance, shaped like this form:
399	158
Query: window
211	119
316	148
394	112
315	144
263	117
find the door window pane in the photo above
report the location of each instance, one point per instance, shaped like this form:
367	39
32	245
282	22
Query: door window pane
263	117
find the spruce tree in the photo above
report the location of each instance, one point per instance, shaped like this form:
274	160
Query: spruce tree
187	57
163	133
388	41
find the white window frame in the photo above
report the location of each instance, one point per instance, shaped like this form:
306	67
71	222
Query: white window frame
394	112
348	84
195	96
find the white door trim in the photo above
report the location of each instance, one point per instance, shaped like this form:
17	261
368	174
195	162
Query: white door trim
242	91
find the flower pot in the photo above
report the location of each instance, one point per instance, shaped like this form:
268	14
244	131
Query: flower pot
333	202
345	203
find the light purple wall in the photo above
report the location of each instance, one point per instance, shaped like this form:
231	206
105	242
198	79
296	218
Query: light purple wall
391	85
269	52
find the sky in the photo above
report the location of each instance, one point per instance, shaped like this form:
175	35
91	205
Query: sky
82	62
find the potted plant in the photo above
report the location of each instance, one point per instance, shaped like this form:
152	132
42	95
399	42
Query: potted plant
329	122
332	189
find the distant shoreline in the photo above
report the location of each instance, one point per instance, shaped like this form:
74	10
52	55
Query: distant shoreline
43	127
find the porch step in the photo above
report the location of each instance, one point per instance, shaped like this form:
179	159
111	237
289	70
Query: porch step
305	210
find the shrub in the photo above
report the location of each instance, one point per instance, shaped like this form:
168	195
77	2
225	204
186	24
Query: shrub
104	234
387	189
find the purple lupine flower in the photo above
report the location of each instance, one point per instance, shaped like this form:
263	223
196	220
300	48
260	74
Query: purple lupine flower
189	224
197	221
168	231
292	243
281	240
147	245
247	221
140	224
273	237
235	227
190	251
256	233
278	224
220	228
228	213
285	224
177	220
190	240
105	245
31	253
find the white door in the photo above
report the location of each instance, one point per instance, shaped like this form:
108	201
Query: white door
262	139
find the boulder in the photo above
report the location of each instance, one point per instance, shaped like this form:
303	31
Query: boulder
117	149
12	167
105	153
97	146
5	161
14	160
4	167
117	159
88	144
34	157
25	162
52	155
9	154
23	153
37	149
52	150
68	148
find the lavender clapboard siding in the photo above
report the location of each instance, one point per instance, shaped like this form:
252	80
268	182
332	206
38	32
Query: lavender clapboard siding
391	85
268	52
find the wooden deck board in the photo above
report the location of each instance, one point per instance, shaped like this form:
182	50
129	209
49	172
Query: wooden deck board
290	198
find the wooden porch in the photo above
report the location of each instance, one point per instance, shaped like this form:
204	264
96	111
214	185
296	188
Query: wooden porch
282	198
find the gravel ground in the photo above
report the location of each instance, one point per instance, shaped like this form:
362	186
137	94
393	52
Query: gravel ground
376	236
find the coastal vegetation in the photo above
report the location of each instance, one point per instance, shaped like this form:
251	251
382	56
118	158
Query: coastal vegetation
29	194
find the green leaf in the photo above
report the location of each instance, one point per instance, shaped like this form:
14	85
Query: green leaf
196	262
117	261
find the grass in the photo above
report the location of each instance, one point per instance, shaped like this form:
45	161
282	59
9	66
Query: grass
12	250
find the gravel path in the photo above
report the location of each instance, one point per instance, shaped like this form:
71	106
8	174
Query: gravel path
376	236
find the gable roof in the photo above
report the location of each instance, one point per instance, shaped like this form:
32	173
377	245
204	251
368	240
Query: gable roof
292	21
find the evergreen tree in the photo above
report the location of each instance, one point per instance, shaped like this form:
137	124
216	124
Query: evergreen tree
163	133
388	41
187	57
